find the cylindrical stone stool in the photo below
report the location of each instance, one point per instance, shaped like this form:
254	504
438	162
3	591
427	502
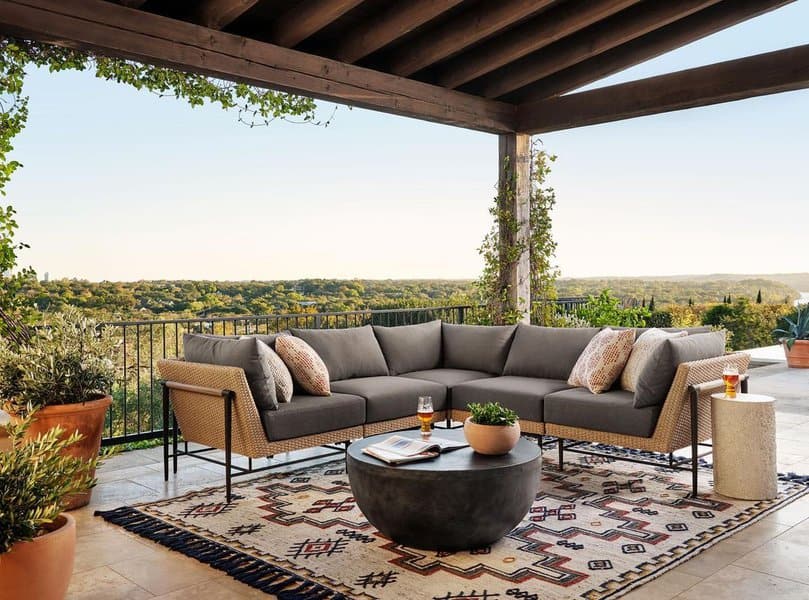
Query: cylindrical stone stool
744	464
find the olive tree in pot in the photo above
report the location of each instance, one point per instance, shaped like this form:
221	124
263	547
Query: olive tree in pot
793	333
491	429
63	370
38	540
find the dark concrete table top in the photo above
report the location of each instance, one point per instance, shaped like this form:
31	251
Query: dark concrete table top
457	501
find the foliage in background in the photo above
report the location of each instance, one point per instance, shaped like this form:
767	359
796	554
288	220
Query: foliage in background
255	106
793	327
68	360
606	309
748	325
491	413
501	249
35	479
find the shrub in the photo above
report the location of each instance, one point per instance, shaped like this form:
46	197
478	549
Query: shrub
605	309
660	318
492	413
748	325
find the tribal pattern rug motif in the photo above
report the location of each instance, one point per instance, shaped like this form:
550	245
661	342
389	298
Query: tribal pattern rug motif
595	531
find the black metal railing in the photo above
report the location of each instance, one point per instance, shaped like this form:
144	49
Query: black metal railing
136	413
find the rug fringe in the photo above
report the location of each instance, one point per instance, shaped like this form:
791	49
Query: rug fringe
247	569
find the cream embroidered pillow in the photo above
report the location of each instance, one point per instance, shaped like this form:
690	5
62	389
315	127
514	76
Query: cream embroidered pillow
602	361
280	373
305	365
641	352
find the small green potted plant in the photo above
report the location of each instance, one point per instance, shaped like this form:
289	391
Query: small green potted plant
64	370
491	429
38	540
793	333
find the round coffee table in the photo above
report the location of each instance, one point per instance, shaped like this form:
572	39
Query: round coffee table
458	501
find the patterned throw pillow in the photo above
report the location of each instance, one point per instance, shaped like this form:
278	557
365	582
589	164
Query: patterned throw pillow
602	360
305	365
641	352
280	372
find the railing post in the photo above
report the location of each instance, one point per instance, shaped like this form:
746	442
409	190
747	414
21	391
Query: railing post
318	321
461	314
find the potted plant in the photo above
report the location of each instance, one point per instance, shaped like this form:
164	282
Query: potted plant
491	428
38	540
63	370
794	335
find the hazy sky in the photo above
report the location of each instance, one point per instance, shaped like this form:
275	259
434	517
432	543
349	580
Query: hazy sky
122	185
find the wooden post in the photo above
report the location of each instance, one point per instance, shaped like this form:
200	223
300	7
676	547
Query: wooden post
515	196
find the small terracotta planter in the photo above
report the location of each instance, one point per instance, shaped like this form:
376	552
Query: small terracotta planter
40	568
88	419
798	356
491	439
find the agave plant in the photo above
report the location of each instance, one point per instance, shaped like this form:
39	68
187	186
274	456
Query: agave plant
794	327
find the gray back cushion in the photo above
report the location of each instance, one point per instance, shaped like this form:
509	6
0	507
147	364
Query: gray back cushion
656	377
267	338
347	353
476	347
547	352
248	354
410	347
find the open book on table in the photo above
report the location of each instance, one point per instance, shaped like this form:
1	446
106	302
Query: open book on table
398	449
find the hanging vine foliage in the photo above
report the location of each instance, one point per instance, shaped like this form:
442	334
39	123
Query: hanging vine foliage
501	248
255	106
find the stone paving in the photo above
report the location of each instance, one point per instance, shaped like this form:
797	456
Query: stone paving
768	559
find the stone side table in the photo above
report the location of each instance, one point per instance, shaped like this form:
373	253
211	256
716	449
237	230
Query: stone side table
744	464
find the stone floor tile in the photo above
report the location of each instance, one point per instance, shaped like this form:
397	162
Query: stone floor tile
665	587
211	590
165	572
735	583
107	547
244	591
103	583
116	493
780	557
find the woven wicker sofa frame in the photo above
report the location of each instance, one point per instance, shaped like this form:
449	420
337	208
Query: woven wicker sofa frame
212	406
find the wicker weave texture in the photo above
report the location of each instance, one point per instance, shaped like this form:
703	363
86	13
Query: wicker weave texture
399	424
525	426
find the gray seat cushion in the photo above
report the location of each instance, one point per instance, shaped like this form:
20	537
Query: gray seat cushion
521	394
309	415
249	354
410	347
448	377
612	411
392	397
476	347
656	377
546	352
347	353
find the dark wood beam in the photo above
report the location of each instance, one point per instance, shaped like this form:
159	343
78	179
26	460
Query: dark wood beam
676	35
218	14
548	28
306	19
769	73
467	29
131	3
112	30
587	44
398	20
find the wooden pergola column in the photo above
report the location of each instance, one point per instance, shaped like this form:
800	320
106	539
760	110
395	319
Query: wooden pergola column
514	185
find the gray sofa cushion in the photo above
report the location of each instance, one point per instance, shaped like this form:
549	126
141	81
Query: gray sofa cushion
656	377
476	347
247	354
267	338
347	353
448	377
410	347
521	394
309	415
612	411
392	397
547	352
690	330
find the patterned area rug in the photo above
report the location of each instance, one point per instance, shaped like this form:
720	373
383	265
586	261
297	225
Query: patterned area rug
596	530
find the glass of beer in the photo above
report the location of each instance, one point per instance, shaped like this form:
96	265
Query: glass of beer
425	414
730	375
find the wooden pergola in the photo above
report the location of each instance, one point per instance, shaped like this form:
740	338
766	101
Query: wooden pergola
505	67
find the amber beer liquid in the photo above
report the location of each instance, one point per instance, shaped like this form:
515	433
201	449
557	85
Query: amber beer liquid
731	381
426	417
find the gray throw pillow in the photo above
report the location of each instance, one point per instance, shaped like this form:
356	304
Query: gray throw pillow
476	347
347	353
656	377
248	354
547	352
409	348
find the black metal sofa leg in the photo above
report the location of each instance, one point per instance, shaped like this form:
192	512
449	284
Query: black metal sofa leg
561	446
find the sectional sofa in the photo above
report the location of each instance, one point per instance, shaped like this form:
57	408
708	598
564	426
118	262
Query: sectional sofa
377	374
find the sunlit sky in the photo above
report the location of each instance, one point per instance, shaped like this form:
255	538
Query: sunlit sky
122	185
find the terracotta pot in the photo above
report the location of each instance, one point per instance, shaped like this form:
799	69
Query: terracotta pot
40	568
798	356
88	419
491	439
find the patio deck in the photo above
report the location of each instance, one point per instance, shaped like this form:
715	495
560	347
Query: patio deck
767	559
